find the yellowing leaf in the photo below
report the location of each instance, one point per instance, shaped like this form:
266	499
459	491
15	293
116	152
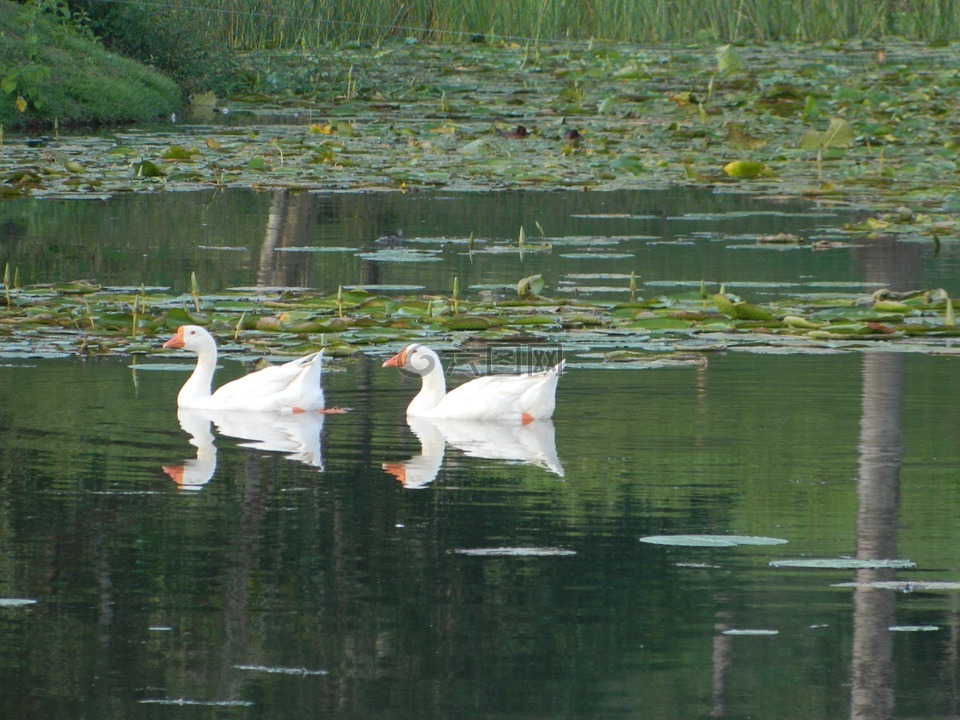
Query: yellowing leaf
744	169
20	104
318	129
213	144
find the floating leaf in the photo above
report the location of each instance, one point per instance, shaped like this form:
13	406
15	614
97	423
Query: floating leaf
468	322
530	287
176	152
839	134
744	169
738	138
913	628
843	564
146	169
516	552
475	147
728	60
724	305
16	602
719	541
902	586
281	670
748	311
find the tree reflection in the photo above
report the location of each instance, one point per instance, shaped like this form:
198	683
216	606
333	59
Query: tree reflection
894	265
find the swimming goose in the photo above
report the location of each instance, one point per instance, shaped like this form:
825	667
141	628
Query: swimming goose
521	398
291	387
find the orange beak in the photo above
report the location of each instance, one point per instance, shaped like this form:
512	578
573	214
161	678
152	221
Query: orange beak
176	341
398	470
398	360
175	472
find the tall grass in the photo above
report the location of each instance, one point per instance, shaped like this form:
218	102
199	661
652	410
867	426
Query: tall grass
261	24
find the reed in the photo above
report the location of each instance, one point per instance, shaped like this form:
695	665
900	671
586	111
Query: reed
270	24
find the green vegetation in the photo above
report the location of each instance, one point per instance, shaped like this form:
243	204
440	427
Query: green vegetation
251	25
51	73
111	321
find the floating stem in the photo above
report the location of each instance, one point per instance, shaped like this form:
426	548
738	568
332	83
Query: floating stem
633	287
6	283
456	296
340	301
949	319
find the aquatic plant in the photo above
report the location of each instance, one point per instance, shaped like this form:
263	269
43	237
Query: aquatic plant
82	317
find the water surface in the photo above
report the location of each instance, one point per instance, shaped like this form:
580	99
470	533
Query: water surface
584	243
493	587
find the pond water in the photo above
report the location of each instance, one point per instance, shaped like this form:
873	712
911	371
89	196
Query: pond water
298	578
755	534
584	243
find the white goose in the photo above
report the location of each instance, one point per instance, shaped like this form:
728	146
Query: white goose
291	387
520	398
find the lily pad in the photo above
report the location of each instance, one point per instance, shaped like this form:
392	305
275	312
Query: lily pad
843	564
719	541
274	670
400	255
16	602
913	628
315	249
515	552
905	587
190	702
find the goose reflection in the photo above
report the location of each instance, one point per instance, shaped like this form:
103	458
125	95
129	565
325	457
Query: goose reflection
530	444
295	435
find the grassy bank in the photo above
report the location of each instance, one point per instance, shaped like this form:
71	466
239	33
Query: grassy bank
51	74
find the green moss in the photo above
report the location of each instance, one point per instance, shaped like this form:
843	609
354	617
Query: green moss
66	79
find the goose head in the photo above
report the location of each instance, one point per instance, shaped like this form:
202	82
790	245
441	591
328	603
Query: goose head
193	338
416	360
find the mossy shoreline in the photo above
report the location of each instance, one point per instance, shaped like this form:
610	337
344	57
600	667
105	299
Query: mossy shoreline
51	76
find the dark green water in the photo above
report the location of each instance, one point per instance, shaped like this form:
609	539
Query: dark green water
279	589
669	239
